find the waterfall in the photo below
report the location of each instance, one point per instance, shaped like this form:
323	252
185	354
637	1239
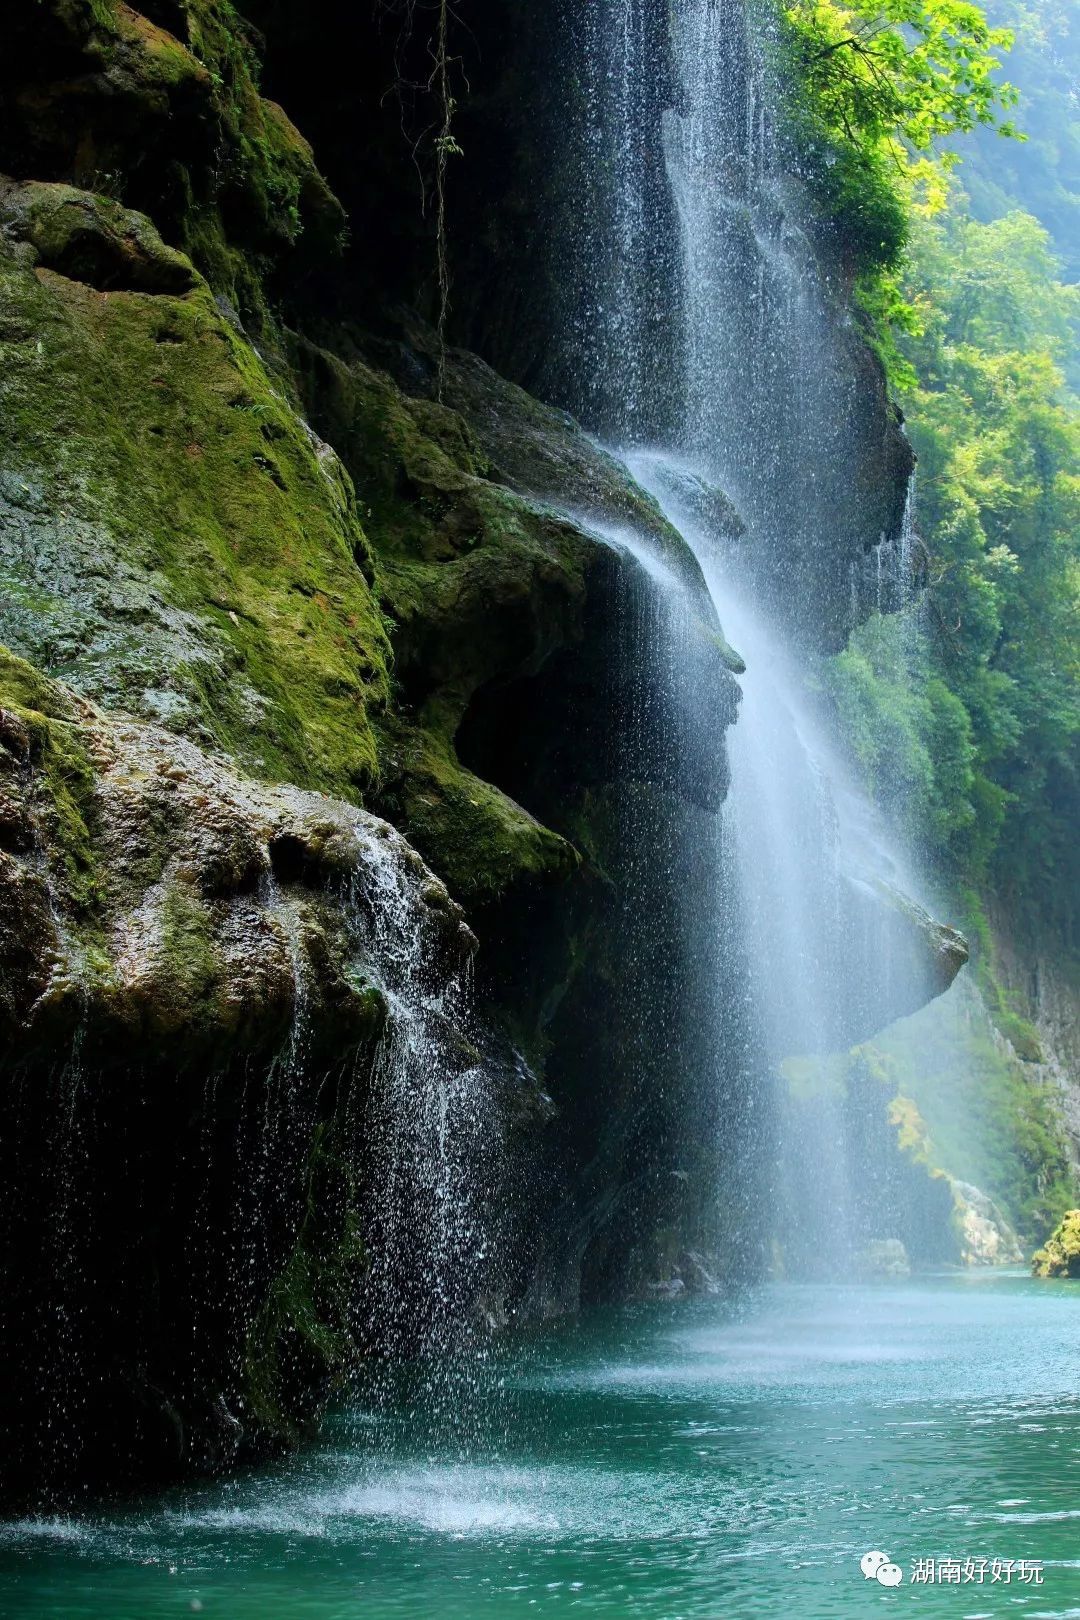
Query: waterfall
718	354
430	1120
808	853
713	324
689	1101
328	1199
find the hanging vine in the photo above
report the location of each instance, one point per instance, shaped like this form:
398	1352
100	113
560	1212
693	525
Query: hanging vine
437	140
446	147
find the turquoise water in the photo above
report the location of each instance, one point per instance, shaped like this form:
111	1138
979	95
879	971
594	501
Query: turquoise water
661	1462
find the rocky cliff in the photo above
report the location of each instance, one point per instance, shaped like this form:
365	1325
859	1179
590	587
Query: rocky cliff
294	606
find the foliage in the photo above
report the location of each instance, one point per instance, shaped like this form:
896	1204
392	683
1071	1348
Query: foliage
1061	1256
881	84
965	712
981	1113
999	442
910	735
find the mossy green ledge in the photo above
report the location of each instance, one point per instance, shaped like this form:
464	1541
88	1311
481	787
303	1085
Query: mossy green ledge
177	543
490	517
174	541
1060	1257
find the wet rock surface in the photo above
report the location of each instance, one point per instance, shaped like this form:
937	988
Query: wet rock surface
199	976
197	904
985	1235
885	1259
1060	1256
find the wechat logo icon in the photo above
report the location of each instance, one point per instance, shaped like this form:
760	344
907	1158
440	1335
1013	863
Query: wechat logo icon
878	1566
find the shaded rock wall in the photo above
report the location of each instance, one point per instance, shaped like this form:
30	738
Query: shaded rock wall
204	600
1037	968
532	267
192	999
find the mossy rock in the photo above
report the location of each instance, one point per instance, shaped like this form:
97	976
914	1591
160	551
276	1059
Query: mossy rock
482	577
174	541
1061	1255
481	841
168	119
158	900
47	813
92	239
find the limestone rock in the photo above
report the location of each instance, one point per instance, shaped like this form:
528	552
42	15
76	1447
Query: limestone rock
174	540
153	893
1061	1255
97	93
986	1237
486	512
92	239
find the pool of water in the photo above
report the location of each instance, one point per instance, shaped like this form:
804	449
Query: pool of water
704	1460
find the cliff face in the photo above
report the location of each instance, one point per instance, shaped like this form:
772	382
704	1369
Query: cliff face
202	599
298	614
1039	974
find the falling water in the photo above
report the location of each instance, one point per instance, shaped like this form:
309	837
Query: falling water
370	1165
713	325
430	1119
809	854
746	392
690	1064
407	1129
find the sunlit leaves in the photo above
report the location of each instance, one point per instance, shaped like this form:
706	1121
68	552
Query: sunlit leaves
881	85
912	71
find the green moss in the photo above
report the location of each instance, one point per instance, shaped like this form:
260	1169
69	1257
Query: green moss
1009	1021
480	841
23	687
104	13
275	192
193	968
419	471
1021	1034
208	545
64	775
242	187
1061	1255
156	56
476	584
732	660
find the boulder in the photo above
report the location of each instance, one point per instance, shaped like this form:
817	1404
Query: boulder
92	239
1061	1255
154	894
883	1258
986	1237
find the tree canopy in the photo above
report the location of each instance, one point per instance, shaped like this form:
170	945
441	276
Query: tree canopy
882	84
